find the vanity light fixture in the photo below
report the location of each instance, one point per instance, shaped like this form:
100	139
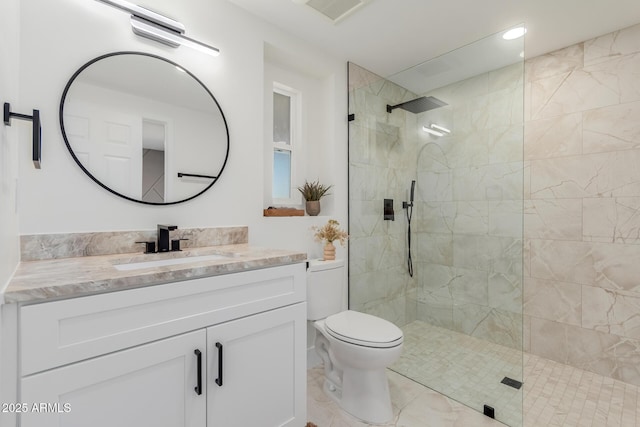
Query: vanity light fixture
514	33
157	27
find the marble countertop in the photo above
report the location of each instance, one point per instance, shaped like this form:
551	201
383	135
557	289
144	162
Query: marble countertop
39	281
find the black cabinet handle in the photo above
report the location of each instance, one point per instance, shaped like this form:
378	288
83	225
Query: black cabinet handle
198	354
219	379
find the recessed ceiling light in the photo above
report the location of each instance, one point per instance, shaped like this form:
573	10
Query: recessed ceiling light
514	33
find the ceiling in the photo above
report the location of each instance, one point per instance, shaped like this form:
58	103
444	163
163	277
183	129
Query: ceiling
388	36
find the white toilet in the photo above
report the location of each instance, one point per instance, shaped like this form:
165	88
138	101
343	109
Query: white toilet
356	348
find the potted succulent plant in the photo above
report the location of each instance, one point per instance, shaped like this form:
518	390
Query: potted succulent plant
312	193
329	233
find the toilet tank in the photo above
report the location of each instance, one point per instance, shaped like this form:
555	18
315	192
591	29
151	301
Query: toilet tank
325	287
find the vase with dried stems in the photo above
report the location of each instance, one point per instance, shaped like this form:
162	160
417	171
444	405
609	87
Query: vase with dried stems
329	233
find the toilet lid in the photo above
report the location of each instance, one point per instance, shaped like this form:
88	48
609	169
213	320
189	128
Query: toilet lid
363	329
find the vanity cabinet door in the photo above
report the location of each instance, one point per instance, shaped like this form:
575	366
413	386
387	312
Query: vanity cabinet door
153	385
257	370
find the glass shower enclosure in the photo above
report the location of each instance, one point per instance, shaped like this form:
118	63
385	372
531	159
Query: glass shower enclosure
436	178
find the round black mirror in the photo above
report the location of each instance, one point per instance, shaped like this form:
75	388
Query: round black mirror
144	128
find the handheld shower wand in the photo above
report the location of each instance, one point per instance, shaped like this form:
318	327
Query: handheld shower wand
409	207
409	204
413	187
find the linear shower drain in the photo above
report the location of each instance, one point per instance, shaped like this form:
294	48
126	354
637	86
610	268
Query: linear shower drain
511	383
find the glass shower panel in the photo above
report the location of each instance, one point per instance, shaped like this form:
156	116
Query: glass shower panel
454	125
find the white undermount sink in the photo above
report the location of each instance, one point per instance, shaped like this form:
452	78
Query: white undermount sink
170	261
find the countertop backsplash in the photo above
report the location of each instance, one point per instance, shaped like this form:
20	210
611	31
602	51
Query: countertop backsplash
39	247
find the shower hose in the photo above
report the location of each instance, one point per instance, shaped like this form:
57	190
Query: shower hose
409	215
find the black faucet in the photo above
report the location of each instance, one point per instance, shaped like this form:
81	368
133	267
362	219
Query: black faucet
163	236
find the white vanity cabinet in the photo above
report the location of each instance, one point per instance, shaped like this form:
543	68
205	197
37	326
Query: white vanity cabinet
252	379
130	358
150	385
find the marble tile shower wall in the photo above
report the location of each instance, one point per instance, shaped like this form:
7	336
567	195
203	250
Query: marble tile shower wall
469	227
382	152
582	207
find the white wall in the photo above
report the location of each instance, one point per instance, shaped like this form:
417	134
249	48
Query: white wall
10	137
58	37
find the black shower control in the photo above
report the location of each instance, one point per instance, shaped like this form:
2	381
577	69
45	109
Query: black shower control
388	210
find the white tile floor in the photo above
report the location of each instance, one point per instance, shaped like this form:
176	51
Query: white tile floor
413	405
554	394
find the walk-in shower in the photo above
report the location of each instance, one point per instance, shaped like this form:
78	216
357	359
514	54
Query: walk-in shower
445	136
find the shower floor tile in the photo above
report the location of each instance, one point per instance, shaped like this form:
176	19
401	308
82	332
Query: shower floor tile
553	394
465	368
564	396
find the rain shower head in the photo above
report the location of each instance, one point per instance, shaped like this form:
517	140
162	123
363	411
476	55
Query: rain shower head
419	105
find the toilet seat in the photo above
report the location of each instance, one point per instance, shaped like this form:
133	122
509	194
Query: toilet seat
363	329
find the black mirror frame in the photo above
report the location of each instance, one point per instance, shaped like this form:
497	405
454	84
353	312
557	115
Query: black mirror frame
79	163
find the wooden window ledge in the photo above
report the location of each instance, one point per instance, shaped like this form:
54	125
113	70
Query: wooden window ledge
283	212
